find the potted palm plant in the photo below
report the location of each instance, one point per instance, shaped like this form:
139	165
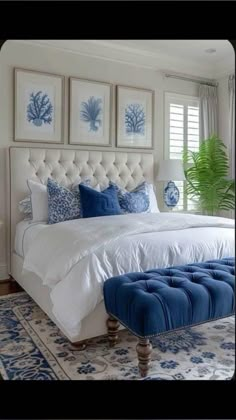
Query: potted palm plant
206	173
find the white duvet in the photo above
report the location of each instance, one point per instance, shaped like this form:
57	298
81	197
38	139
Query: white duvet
74	258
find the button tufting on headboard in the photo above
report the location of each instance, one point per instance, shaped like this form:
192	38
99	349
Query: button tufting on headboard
67	165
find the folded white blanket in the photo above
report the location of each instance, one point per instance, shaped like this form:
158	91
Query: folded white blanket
74	257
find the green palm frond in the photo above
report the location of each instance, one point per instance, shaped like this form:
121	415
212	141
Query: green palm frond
207	177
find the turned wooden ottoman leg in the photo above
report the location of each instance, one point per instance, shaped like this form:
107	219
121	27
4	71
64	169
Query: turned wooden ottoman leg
112	329
144	350
79	345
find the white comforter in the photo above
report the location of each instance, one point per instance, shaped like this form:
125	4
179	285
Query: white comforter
74	258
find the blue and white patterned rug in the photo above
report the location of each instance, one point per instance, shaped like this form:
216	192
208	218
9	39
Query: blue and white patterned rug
32	347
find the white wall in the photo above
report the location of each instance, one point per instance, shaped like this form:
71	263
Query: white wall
68	64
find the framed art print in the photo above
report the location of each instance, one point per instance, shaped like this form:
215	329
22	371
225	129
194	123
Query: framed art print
39	103
90	112
134	122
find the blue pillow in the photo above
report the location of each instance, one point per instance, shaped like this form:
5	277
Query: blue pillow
94	203
63	204
135	201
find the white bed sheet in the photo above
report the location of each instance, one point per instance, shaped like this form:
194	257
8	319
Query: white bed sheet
75	258
26	232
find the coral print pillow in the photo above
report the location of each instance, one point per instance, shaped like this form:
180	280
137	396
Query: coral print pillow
63	204
141	199
135	201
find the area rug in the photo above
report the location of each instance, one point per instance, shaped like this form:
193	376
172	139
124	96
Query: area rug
32	348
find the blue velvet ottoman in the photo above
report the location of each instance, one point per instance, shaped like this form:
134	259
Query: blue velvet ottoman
160	300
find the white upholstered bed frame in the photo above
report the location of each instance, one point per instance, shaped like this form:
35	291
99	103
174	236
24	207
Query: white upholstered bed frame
66	166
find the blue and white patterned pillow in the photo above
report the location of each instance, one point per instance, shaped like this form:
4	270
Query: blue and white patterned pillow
135	201
24	206
63	204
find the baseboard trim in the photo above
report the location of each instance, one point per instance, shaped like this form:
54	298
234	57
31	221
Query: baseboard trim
4	275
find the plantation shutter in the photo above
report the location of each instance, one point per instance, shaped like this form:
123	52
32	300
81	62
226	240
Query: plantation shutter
182	129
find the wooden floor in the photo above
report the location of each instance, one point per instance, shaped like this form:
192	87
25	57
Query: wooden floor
9	286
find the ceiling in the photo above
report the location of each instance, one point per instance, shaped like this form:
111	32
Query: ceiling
180	56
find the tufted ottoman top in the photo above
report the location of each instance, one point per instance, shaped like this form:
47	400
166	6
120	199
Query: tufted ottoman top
164	299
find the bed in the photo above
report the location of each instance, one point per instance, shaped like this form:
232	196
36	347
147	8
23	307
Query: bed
69	291
65	165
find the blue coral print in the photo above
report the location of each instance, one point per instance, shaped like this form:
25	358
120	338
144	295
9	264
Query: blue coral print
91	113
39	109
134	119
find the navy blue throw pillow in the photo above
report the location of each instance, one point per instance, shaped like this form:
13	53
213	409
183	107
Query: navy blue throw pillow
96	203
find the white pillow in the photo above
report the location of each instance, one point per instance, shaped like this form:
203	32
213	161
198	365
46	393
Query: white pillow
153	207
39	201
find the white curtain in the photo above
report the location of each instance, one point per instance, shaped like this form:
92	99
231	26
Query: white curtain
232	123
208	111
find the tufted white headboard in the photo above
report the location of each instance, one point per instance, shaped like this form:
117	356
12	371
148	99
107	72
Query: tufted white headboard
67	165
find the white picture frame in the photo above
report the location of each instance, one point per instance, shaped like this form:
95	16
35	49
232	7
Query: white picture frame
134	117
39	106
90	112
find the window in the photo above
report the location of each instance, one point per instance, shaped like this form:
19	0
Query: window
181	129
